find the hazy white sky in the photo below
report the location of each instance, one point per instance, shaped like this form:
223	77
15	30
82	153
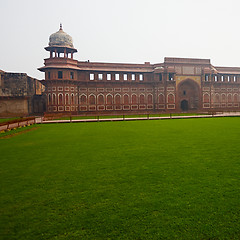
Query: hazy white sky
132	31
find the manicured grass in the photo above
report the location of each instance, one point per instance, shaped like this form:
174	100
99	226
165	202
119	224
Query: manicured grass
162	179
7	119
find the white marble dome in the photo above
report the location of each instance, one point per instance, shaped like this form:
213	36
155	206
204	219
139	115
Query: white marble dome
60	39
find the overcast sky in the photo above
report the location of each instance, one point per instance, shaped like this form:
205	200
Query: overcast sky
131	31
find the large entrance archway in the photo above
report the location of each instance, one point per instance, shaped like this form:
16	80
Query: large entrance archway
188	95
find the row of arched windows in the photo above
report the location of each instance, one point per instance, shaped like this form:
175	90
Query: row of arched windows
117	99
109	99
223	97
71	99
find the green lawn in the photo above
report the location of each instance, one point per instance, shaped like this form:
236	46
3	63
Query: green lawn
7	119
161	179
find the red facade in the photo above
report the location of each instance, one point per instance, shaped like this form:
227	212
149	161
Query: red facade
177	84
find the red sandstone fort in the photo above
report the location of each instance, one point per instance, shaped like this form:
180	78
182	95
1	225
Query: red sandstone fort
176	85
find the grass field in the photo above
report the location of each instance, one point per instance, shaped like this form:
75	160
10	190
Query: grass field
162	179
7	119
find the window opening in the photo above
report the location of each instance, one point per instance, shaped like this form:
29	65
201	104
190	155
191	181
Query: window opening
206	77
116	76
100	76
170	76
60	74
108	76
160	77
91	76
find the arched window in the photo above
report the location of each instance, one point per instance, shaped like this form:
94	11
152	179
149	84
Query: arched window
109	99
217	98
142	99
117	99
206	98
100	99
76	99
83	99
72	99
134	99
229	97
54	98
67	98
171	98
49	98
60	99
235	98
150	99
92	99
223	97
161	98
126	99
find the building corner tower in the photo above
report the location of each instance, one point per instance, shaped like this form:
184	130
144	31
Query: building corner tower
60	74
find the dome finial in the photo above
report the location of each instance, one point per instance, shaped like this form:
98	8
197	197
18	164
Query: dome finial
60	26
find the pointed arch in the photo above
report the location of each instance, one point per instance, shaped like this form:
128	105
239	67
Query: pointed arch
161	98
217	98
206	98
142	98
109	99
223	97
229	98
83	99
150	99
134	99
92	99
49	99
125	99
67	99
54	98
117	99
100	99
60	99
72	99
235	98
171	98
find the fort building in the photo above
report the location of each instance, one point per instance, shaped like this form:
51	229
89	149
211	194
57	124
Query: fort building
20	95
175	85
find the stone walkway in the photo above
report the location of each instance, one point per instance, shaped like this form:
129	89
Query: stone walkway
230	114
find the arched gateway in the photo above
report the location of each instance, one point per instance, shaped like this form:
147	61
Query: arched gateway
188	95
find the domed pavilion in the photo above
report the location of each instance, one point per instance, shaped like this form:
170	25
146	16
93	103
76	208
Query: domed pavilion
60	43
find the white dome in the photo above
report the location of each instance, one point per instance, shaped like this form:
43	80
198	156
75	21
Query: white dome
60	39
